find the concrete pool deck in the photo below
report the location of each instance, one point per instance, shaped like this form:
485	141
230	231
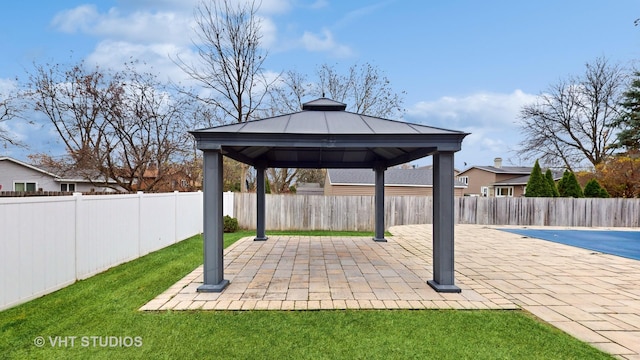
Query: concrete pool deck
592	296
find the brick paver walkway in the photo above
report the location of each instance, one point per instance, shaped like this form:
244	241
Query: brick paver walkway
592	296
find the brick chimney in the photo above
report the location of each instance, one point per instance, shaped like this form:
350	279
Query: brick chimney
497	162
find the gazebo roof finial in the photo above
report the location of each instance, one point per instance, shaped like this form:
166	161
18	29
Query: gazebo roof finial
324	104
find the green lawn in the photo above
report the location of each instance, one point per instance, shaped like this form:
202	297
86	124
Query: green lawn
105	307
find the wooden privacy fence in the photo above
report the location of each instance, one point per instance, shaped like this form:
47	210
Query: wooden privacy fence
313	212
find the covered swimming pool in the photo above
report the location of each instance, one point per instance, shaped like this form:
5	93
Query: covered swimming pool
613	242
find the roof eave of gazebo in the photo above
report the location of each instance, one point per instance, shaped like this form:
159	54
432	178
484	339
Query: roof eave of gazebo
389	149
324	135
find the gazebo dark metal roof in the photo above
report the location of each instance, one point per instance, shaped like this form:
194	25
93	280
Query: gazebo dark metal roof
325	135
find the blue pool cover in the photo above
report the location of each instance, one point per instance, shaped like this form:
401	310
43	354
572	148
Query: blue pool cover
620	243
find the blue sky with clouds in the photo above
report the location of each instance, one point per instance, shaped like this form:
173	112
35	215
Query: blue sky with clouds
465	65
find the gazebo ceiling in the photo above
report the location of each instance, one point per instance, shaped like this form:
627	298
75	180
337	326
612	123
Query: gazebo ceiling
324	135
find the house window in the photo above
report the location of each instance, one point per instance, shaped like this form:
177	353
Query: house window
67	187
464	179
504	191
24	186
184	183
484	191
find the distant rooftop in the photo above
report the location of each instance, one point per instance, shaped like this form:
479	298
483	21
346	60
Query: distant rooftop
394	177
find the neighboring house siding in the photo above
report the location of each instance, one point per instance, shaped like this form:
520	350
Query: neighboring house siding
477	179
398	182
518	190
11	172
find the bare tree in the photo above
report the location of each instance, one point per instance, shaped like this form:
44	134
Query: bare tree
231	59
71	99
289	93
124	126
9	109
364	88
567	125
148	126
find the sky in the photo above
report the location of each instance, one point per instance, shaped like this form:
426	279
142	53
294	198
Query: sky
464	65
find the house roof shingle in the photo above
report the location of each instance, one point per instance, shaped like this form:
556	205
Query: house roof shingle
395	177
523	180
504	169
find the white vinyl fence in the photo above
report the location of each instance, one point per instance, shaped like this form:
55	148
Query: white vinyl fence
47	243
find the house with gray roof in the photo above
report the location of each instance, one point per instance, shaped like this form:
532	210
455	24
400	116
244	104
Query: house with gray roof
497	180
18	176
397	182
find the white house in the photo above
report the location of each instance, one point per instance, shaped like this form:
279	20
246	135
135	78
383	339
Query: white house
18	176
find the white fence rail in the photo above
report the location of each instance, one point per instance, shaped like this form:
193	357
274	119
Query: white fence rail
47	243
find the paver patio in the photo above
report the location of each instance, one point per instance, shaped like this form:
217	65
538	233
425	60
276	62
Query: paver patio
592	296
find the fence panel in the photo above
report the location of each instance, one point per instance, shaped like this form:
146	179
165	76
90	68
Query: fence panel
36	247
189	214
108	232
47	243
157	221
312	212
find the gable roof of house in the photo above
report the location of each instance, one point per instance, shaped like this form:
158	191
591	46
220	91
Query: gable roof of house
18	162
503	169
72	175
393	177
523	180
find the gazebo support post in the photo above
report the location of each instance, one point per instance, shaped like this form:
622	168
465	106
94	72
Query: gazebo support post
443	224
260	205
379	204
213	224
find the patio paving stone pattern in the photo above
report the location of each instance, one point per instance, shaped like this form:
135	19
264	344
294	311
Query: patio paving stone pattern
592	296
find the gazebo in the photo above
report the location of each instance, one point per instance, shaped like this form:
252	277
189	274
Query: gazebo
325	135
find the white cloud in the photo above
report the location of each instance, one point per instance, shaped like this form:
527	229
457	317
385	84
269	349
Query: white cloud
269	32
149	36
154	58
7	86
481	108
324	43
319	4
159	4
266	6
491	118
139	26
74	20
275	6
